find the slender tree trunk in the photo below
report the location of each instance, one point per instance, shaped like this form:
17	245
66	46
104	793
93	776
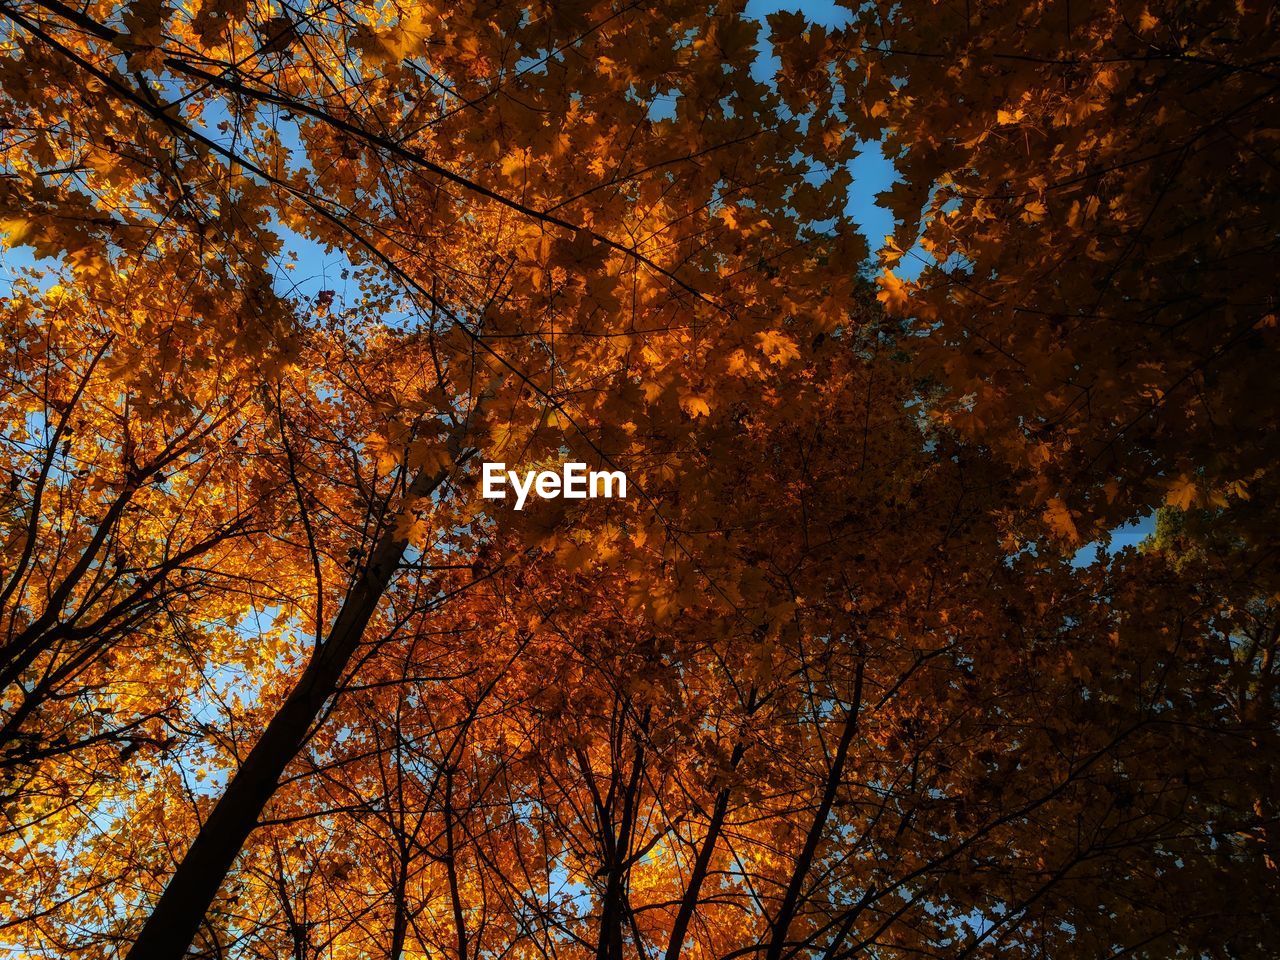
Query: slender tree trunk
702	864
609	946
791	899
615	908
689	903
451	865
400	923
169	930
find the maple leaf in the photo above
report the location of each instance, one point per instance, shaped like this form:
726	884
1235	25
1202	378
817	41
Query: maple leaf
1034	210
695	405
1182	492
893	292
1061	520
777	346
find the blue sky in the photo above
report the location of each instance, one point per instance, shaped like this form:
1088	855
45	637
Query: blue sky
872	171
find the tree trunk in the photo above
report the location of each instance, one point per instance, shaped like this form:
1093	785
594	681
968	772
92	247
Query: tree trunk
169	930
451	863
690	901
791	899
400	923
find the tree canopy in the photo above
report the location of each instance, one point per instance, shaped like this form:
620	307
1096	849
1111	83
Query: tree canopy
856	669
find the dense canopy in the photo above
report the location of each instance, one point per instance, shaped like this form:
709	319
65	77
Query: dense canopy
858	668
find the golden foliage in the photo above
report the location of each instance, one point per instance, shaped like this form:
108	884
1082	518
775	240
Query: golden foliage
275	680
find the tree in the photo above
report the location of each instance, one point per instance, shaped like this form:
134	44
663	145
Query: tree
1093	194
830	681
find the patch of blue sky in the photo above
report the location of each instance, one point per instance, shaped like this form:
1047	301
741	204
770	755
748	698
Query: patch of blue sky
872	171
24	262
40	434
1131	534
766	64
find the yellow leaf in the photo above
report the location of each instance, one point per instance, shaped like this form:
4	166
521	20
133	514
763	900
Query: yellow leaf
695	406
16	230
1060	520
737	363
512	164
1181	493
777	346
893	292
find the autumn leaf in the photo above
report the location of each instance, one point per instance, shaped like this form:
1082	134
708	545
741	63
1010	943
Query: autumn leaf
1061	521
695	405
777	346
1181	493
893	293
